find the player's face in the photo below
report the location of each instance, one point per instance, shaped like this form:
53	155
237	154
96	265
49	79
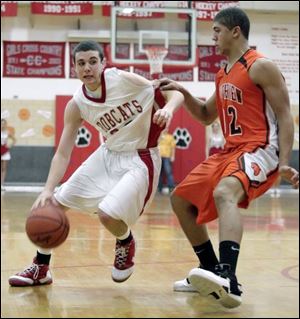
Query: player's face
222	37
88	68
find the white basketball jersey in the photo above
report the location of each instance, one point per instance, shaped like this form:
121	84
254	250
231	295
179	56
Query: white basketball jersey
4	137
123	113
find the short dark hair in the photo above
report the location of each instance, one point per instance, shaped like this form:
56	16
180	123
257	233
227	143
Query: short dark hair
232	17
88	45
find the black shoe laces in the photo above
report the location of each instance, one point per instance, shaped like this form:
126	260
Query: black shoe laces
224	271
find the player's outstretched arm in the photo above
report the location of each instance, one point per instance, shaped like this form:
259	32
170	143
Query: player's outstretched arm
203	111
60	161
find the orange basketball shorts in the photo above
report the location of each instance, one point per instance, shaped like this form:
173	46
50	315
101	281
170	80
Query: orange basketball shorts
256	168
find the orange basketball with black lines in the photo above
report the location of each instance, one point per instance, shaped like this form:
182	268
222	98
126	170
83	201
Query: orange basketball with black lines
47	226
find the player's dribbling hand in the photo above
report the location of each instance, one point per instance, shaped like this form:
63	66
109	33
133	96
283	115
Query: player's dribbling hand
290	175
162	117
44	198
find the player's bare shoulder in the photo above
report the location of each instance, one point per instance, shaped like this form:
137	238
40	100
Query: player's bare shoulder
72	105
263	71
72	111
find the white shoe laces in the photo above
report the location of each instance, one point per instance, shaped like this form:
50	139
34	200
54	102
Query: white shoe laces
34	268
121	255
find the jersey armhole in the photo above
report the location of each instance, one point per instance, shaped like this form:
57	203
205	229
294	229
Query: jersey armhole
159	98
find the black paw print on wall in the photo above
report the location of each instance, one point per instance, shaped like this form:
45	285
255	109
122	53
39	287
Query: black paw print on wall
83	137
182	137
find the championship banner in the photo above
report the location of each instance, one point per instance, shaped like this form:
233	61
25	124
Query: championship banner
176	73
207	10
209	62
9	8
62	7
123	52
33	59
106	9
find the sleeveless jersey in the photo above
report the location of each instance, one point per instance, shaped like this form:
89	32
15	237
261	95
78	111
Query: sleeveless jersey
123	113
242	107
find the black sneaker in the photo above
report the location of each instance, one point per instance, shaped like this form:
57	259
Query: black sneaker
222	285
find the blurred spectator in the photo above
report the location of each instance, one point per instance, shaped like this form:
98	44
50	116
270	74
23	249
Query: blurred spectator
166	146
7	141
216	139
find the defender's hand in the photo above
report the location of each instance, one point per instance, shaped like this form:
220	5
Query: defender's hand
166	84
290	175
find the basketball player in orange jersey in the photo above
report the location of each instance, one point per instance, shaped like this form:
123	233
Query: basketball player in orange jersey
251	100
120	178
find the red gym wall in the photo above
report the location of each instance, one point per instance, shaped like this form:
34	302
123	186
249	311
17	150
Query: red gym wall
191	153
187	158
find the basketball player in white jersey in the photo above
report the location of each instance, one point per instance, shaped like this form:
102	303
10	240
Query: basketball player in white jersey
120	178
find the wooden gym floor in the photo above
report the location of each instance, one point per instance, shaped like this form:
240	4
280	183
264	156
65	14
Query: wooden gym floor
268	266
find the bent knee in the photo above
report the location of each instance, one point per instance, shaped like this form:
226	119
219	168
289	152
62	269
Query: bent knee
176	201
228	190
222	194
180	205
104	218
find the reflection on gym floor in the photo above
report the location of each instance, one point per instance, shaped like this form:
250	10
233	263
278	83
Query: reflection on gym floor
268	266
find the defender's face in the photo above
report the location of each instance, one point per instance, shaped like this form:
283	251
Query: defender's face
88	68
222	37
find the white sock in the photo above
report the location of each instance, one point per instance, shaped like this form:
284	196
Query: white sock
125	235
44	251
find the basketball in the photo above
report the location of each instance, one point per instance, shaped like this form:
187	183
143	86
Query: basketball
47	226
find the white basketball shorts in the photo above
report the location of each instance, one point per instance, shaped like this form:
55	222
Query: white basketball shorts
121	184
6	157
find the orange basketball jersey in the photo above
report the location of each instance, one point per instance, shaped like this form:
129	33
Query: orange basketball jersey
251	151
244	113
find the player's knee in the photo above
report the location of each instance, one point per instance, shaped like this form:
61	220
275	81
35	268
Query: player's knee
105	219
229	191
179	205
222	194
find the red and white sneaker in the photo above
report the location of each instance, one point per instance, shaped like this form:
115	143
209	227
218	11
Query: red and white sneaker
123	264
36	274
